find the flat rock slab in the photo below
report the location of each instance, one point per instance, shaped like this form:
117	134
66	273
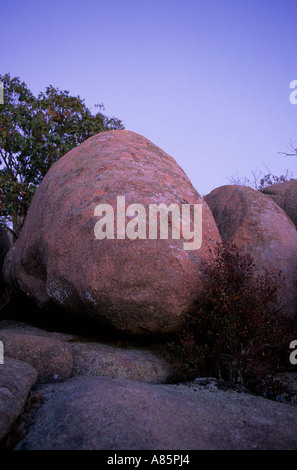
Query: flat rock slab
137	364
92	413
58	356
16	380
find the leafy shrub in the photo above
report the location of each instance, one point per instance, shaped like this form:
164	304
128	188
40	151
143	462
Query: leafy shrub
235	331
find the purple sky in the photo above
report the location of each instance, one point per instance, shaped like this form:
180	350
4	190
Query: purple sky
205	80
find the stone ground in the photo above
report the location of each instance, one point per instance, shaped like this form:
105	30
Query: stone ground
60	391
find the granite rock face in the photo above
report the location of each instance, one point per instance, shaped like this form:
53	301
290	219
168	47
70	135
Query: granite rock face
142	286
16	380
256	224
116	399
58	356
50	357
285	195
101	413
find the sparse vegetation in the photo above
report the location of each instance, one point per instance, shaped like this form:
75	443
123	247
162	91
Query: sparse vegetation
235	331
259	180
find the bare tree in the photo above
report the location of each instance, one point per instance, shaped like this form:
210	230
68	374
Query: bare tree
293	150
259	179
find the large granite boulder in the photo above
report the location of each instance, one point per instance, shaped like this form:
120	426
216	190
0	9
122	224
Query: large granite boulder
140	286
285	195
256	224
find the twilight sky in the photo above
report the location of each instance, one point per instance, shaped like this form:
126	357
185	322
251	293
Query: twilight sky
208	81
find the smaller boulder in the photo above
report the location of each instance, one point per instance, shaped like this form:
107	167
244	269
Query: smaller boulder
51	358
258	226
285	196
16	380
56	354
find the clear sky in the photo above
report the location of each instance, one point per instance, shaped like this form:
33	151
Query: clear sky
205	80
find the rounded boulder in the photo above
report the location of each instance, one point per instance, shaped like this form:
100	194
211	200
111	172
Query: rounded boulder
143	285
285	195
259	227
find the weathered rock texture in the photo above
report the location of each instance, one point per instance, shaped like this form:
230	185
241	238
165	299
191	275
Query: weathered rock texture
57	356
131	363
16	380
261	228
50	357
98	408
138	286
285	195
92	413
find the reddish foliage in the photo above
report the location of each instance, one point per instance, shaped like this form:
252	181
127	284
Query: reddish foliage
236	323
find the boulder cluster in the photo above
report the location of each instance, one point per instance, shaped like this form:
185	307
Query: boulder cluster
92	252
